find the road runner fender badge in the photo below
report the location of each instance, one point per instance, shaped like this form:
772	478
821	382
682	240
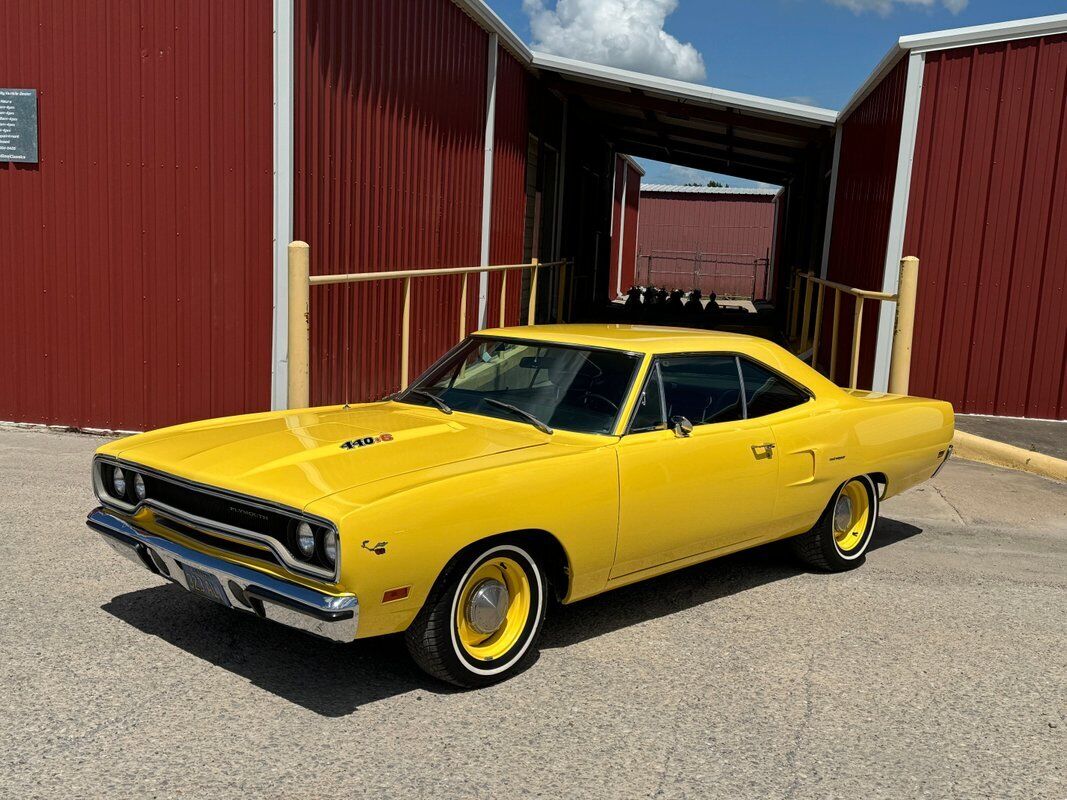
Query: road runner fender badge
366	441
378	549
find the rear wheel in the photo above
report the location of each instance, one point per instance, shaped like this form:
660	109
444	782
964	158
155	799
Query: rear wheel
481	622
839	540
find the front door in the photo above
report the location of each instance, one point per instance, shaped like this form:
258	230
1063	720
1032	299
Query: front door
682	496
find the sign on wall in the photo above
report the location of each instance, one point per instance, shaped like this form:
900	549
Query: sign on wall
18	125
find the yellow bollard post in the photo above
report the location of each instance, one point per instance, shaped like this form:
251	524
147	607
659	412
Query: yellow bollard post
857	329
299	327
405	335
818	327
903	330
805	326
833	334
531	314
463	308
503	297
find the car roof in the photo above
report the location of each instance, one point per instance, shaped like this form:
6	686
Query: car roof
633	338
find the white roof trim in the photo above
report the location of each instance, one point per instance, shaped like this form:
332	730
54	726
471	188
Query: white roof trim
488	19
985	34
733	190
633	163
686	92
955	37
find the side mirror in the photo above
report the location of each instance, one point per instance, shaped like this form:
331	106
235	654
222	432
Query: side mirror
681	426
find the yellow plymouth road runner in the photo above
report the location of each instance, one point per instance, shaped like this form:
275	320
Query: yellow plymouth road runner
527	464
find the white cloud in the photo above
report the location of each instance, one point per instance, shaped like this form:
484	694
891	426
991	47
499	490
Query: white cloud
803	99
884	7
618	33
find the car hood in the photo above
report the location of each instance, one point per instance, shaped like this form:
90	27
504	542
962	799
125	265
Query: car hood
295	458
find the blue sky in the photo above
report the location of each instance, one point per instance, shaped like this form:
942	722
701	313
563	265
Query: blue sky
811	51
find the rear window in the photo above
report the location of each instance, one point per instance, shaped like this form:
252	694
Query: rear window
766	392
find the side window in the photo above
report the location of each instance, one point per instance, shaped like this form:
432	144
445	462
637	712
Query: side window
703	389
649	413
766	393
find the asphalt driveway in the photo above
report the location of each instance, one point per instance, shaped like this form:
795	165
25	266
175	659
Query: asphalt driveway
938	669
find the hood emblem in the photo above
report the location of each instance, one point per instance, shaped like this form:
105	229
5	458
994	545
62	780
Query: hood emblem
366	441
378	549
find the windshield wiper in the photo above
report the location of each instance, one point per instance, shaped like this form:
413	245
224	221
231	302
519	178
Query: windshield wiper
526	415
437	401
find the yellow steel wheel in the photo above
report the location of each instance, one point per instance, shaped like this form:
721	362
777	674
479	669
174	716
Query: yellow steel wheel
493	608
852	511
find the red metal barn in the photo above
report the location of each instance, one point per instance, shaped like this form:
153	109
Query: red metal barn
137	252
955	151
182	146
715	239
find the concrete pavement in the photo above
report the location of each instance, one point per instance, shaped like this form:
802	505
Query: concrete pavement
938	669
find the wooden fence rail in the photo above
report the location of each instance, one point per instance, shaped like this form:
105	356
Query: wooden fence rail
805	328
301	280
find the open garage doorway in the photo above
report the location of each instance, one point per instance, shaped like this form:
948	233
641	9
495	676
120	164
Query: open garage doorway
615	123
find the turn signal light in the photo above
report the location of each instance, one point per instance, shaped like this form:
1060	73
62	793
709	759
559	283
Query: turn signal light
396	594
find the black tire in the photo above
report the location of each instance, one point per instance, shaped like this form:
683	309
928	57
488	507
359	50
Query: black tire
432	639
818	547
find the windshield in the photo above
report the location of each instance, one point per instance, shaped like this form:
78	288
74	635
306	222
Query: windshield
570	388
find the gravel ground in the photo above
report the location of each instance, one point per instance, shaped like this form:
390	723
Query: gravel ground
938	669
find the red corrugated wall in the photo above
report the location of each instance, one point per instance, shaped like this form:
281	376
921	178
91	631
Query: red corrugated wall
867	171
616	286
510	142
137	282
628	265
390	119
731	233
987	217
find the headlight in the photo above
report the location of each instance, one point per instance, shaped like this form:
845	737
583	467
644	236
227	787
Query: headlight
329	546
138	486
118	483
305	540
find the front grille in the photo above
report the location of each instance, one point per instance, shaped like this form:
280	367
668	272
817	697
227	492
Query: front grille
220	542
212	507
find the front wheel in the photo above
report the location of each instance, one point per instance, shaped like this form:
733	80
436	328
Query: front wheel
839	540
480	624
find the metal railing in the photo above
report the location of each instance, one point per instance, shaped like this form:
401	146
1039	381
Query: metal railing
734	275
804	328
301	280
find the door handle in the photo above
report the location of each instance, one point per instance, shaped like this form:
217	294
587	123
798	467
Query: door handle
761	451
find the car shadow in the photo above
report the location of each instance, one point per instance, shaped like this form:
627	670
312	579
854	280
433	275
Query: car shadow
687	588
335	680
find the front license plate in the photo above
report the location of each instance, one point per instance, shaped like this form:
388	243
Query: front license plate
205	584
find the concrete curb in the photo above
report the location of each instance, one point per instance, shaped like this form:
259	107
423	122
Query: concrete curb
999	454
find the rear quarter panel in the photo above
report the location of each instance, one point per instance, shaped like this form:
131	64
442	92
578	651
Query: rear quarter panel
835	438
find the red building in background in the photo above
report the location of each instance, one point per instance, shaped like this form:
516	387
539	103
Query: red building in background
713	239
182	146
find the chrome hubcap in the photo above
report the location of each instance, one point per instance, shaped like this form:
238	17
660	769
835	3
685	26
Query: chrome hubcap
843	514
487	606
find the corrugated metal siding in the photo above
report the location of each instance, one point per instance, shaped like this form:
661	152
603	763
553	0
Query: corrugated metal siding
510	144
862	208
729	235
137	255
616	286
390	115
628	265
987	217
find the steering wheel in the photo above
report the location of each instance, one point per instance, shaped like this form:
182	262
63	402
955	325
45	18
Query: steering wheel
594	396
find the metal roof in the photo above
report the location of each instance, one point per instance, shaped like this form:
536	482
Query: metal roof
674	189
951	38
698	126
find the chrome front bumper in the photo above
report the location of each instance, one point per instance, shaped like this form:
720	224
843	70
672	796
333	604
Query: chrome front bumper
330	616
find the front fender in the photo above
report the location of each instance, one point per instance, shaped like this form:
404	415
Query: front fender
401	532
